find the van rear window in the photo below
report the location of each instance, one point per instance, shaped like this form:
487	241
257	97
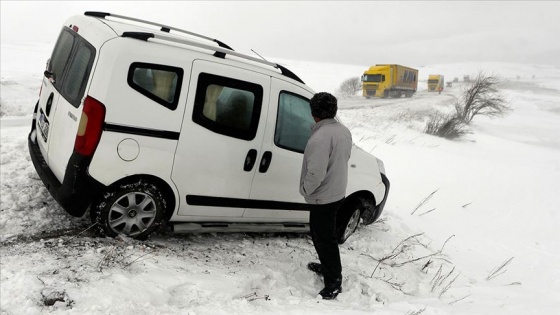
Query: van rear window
61	54
71	64
76	76
160	83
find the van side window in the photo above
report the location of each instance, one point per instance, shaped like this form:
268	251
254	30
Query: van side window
293	123
228	106
161	84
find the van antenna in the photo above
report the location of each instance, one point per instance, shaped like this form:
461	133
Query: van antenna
259	55
283	69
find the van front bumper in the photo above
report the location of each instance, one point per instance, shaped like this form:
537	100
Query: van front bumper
387	184
78	188
372	213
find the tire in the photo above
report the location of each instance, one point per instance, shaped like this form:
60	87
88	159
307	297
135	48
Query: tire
348	220
132	209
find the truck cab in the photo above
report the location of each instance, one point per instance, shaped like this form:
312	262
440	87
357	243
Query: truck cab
436	83
389	81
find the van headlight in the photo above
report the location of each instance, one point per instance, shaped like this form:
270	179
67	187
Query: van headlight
381	166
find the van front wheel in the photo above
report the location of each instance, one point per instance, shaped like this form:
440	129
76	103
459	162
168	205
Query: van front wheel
347	220
132	209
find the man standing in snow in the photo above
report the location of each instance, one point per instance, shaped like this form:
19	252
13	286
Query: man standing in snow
324	176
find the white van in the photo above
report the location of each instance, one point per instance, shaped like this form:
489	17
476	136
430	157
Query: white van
144	124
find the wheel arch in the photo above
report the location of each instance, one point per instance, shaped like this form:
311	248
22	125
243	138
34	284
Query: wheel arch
161	184
369	211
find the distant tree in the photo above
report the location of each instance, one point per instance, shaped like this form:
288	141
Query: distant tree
481	97
350	86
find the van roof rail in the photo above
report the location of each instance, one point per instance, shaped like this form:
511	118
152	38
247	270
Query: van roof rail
146	36
220	51
163	28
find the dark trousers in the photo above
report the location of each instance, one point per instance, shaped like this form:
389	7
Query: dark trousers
322	221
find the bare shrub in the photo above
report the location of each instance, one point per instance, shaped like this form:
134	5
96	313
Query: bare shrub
481	97
350	87
445	125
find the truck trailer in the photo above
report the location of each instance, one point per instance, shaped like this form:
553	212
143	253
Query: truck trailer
436	83
389	81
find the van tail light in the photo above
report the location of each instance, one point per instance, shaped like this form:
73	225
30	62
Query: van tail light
90	127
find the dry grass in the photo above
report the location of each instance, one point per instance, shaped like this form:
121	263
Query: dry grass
446	126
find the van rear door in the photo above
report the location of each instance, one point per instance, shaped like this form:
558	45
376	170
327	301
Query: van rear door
62	94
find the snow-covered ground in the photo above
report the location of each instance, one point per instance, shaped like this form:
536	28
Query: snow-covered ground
471	226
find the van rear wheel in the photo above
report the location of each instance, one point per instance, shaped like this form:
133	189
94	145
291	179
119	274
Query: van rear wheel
132	209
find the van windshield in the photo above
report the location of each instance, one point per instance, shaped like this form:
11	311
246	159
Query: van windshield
70	64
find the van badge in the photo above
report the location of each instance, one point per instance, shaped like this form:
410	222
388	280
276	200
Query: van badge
74	118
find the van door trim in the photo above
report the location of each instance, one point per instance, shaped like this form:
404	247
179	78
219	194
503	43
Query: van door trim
196	200
164	134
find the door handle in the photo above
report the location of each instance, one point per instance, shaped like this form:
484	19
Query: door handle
250	160
49	104
265	162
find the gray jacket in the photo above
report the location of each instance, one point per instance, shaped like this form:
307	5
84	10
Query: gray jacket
324	173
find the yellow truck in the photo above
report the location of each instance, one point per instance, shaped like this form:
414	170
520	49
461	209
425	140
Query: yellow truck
389	81
435	83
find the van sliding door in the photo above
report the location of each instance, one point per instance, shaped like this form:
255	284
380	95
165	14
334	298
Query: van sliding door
220	140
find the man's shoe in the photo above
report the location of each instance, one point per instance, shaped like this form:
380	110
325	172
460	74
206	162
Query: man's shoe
315	267
330	293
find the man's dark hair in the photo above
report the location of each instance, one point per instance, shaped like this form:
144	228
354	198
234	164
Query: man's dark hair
323	105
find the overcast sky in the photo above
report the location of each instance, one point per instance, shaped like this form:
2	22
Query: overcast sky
414	33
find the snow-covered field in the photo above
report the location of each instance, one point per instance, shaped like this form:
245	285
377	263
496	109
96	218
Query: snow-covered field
471	226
